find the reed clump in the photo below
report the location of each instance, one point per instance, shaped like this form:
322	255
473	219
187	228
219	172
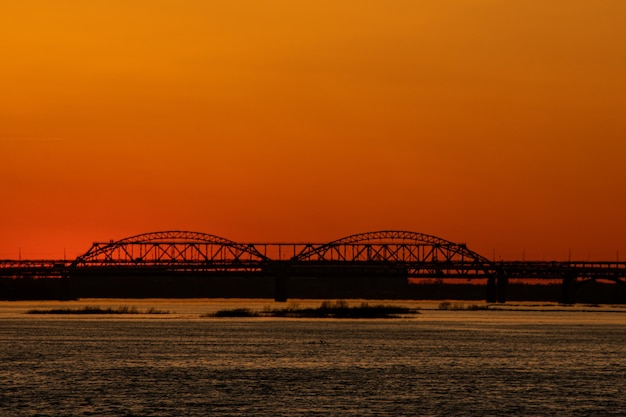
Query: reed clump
97	310
328	309
235	312
446	305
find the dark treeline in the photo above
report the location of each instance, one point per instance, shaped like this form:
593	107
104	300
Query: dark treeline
190	286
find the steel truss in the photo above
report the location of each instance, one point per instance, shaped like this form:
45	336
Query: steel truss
414	255
417	254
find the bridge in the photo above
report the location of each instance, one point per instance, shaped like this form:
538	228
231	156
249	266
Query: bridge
386	254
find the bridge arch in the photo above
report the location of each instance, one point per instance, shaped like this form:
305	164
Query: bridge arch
168	248
393	245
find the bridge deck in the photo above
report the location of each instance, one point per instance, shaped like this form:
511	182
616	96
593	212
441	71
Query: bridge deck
539	270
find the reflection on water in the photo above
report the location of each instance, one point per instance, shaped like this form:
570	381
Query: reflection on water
441	363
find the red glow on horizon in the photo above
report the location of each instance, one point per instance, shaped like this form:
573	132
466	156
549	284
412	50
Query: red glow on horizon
497	125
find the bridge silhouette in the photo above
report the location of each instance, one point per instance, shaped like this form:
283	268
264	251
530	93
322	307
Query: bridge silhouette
385	255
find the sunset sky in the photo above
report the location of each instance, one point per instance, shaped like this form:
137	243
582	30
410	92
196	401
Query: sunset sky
501	124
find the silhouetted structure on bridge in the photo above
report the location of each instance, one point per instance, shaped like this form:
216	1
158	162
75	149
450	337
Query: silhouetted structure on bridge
376	264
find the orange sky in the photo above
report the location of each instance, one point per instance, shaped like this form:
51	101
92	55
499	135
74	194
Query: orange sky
496	123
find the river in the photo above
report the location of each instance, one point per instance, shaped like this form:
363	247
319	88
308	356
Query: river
534	360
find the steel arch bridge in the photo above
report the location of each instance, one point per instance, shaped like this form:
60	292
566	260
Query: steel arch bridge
421	254
386	255
418	254
381	254
173	249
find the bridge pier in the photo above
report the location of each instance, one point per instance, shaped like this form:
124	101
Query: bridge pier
65	287
491	289
501	284
496	288
281	271
568	289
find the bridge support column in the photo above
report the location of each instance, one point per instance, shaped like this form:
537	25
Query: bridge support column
568	290
621	290
501	283
65	287
491	290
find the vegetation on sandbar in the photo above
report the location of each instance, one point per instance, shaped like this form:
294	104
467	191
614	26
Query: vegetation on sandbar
97	310
236	312
446	305
328	309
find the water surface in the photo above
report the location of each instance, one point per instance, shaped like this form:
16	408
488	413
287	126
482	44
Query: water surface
441	363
